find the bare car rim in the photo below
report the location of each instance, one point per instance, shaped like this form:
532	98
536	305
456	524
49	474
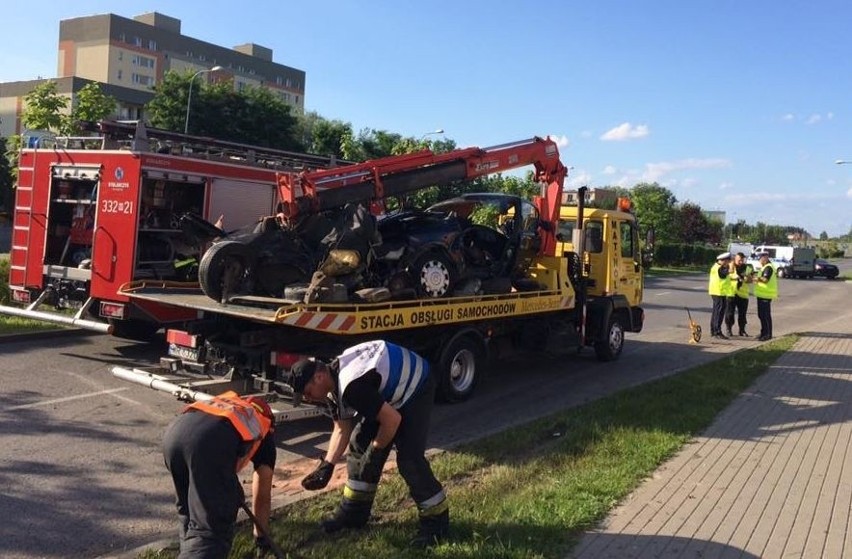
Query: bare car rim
434	277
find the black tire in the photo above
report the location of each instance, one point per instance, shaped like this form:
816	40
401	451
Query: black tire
608	348
434	275
781	273
134	329
459	366
223	269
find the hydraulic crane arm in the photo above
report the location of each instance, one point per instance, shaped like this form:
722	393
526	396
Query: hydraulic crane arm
397	175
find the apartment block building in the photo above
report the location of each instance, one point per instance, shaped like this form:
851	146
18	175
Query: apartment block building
130	56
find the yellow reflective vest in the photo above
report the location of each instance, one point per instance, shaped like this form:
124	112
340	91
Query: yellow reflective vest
768	290
743	289
720	286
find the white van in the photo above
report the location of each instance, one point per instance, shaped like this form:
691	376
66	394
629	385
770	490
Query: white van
796	262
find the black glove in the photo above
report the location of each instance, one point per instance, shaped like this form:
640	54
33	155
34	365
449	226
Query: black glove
261	547
320	477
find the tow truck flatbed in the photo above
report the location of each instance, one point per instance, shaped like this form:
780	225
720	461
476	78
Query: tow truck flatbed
359	318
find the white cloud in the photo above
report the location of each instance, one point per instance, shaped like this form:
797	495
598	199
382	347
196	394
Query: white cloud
849	193
788	117
561	141
654	171
609	170
578	179
586	134
829	116
813	119
625	131
726	185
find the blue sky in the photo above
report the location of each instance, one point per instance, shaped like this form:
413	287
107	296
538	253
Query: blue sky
737	105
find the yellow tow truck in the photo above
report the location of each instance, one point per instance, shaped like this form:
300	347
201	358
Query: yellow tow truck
573	280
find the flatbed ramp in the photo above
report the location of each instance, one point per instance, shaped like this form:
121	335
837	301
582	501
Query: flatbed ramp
359	318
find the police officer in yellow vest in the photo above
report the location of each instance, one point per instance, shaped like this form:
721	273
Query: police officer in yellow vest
720	289
765	290
743	278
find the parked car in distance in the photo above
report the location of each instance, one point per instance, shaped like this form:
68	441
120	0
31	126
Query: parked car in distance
826	269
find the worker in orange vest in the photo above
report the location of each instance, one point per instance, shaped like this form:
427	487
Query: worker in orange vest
204	448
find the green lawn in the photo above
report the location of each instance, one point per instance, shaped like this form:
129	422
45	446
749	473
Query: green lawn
529	492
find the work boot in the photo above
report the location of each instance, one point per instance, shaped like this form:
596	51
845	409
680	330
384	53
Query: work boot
350	514
743	333
729	333
721	336
433	530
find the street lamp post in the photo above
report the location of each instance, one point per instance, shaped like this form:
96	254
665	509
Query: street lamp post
189	95
438	131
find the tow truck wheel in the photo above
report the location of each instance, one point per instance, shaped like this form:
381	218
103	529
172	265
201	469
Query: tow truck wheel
609	347
223	268
458	365
433	274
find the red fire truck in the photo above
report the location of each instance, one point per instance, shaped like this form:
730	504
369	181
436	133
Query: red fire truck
93	213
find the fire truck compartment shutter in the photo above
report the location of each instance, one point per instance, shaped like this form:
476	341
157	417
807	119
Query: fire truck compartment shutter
76	172
241	202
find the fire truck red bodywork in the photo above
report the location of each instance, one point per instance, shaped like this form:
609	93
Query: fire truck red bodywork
87	221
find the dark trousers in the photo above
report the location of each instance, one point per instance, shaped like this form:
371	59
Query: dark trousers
410	442
718	314
740	306
201	452
764	313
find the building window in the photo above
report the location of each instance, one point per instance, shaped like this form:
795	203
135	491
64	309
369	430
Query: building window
137	41
152	44
297	99
143	61
202	57
241	86
141	79
120	55
119	75
122	38
288	82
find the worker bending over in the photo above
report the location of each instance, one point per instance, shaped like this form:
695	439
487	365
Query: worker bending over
381	395
204	448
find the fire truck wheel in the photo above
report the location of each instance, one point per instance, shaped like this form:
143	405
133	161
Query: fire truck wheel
223	268
609	347
132	329
434	275
458	365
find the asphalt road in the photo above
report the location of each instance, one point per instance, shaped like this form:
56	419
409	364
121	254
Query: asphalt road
81	470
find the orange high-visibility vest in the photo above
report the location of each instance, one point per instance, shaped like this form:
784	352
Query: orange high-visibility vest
249	423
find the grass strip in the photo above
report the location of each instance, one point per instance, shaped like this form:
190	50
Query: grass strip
532	490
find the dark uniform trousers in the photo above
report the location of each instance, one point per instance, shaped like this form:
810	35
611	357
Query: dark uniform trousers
718	314
740	306
201	453
764	313
410	442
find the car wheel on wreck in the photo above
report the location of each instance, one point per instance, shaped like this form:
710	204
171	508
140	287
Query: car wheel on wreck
434	275
224	269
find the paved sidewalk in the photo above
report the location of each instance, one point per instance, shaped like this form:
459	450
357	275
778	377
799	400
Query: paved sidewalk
771	478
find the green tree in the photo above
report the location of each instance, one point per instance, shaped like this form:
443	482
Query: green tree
7	193
823	236
693	227
253	116
656	207
43	108
90	104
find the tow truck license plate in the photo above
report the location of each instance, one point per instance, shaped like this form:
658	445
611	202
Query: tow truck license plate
183	352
